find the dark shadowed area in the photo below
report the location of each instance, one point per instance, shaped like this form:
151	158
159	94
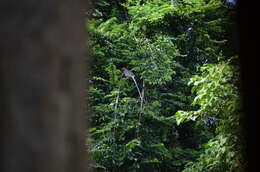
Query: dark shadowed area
41	79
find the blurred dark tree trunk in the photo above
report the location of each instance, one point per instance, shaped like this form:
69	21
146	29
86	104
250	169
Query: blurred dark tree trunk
248	16
41	86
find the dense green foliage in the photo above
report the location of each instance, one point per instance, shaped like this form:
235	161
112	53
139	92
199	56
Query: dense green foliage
181	109
219	102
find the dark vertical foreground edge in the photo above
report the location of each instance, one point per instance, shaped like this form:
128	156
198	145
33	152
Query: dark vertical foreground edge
41	86
248	35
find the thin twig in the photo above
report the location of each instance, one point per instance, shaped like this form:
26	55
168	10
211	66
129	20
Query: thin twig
140	95
115	110
142	100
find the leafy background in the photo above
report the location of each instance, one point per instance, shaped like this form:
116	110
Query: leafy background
183	56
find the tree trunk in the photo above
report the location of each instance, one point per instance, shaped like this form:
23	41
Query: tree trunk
41	86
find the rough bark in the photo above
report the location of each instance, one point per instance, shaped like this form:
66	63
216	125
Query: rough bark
41	86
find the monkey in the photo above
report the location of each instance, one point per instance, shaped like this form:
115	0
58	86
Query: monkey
130	74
